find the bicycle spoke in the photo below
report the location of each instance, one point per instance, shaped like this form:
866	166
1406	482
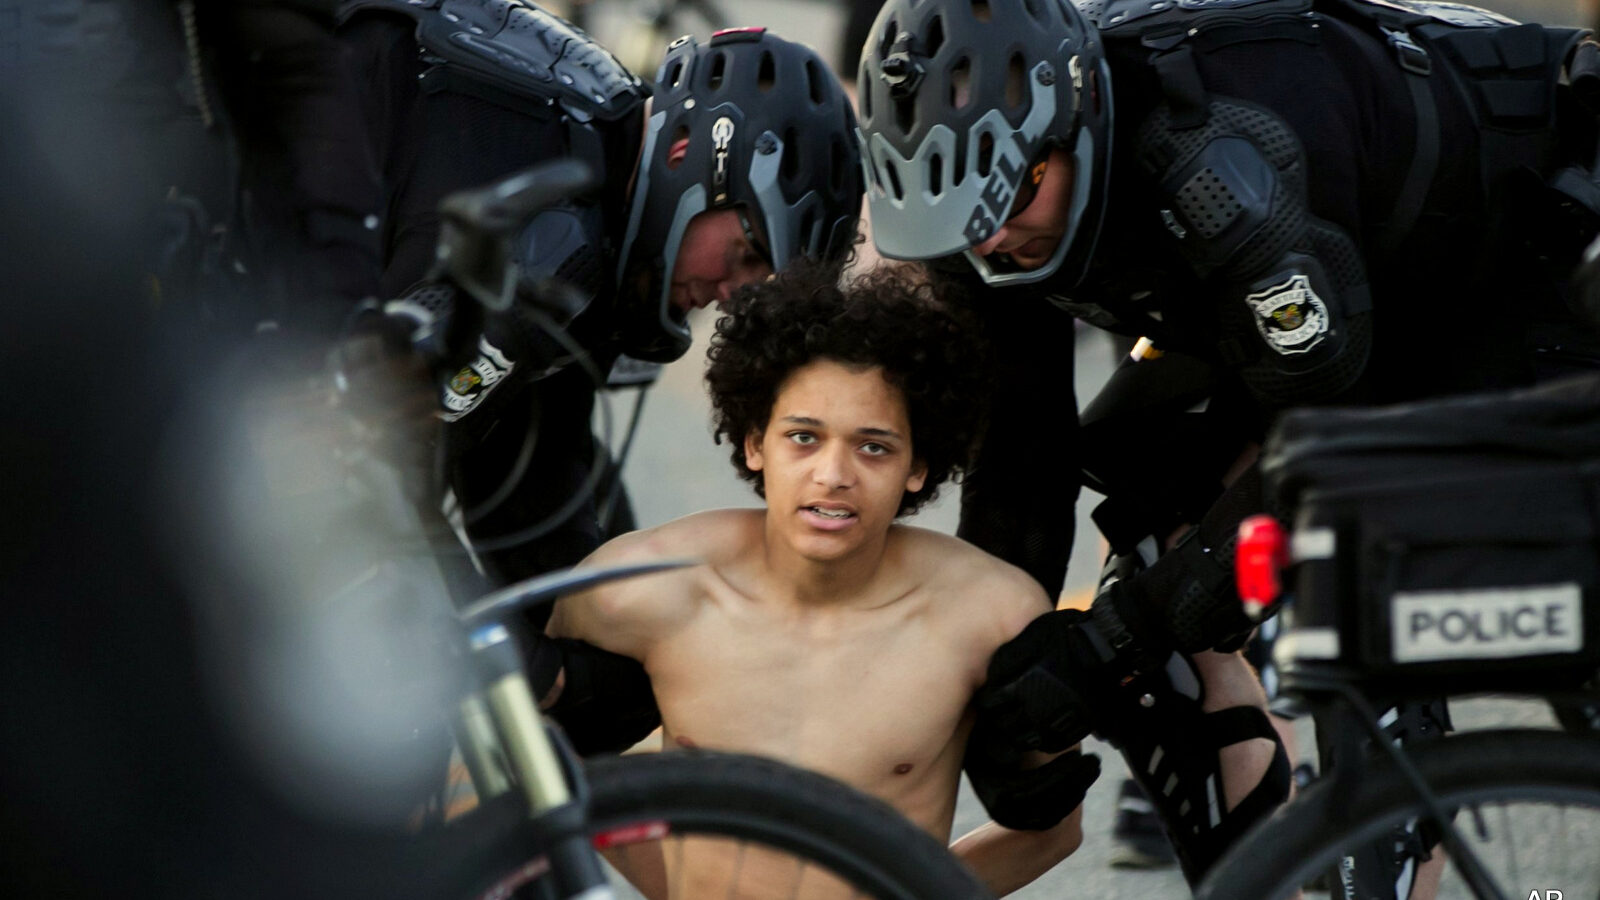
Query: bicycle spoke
738	869
678	866
1510	841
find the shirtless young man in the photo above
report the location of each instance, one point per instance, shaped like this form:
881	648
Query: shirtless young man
818	631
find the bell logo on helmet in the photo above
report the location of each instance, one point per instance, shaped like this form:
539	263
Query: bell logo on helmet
721	141
995	200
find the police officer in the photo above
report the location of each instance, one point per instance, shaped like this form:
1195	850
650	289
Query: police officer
741	160
1296	201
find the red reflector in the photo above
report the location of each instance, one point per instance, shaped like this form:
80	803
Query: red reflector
1262	552
745	33
631	834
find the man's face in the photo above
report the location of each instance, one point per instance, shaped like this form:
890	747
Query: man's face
1031	235
835	459
716	258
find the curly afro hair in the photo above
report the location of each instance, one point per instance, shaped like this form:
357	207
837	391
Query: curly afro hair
926	347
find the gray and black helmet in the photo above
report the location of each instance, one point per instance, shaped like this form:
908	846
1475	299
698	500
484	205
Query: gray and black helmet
959	99
770	131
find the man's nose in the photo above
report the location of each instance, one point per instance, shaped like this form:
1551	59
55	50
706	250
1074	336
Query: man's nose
994	241
833	469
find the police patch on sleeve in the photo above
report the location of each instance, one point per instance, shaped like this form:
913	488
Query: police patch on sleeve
1290	316
468	387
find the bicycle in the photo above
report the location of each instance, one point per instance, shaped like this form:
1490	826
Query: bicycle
1425	539
672	825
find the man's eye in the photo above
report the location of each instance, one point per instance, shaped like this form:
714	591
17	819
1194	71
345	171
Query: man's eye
873	448
802	437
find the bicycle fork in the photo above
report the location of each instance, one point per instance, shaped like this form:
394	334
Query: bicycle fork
507	743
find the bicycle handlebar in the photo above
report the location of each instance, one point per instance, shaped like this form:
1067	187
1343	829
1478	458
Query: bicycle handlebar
532	591
477	225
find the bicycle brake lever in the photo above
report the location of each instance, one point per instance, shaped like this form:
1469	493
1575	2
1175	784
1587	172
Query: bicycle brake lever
477	225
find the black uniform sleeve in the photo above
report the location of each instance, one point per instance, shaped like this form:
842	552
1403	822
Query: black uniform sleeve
1018	501
306	169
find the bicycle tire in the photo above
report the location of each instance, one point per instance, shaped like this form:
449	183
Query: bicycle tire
1306	836
818	820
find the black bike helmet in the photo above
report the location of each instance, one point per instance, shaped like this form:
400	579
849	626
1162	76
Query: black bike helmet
770	131
959	99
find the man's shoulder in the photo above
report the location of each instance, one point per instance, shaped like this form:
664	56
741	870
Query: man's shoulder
965	577
713	536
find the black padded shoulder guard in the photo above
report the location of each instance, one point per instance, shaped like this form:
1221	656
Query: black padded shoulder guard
520	49
1293	289
1136	18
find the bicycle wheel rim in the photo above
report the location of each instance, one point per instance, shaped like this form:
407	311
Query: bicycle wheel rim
827	830
1516	781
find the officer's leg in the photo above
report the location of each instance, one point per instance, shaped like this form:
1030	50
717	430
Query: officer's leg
1230	684
1199	742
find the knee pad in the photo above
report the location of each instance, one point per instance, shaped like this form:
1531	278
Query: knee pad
1173	748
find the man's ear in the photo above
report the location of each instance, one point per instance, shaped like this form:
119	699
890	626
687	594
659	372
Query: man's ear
918	476
752	451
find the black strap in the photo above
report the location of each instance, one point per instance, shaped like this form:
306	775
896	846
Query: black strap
1237	724
1173	60
1414	61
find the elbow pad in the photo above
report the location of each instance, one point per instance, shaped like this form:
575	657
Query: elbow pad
606	705
1028	799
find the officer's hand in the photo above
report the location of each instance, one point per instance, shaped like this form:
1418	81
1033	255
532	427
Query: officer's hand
1033	799
1036	696
388	389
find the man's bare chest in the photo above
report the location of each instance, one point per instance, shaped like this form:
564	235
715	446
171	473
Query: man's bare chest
860	700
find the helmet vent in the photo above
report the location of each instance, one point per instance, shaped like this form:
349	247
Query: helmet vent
1016	80
866	90
935	37
808	227
814	82
1032	6
789	167
675	77
836	166
719	67
875	177
985	153
767	76
886	43
981	11
680	138
961	83
894	180
935	174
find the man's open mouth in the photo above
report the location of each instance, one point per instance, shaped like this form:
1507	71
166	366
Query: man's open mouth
829	513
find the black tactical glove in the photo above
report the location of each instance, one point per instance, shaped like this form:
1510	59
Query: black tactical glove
605	703
1027	799
386	383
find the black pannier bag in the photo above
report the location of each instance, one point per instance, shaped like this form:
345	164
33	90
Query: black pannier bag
1444	547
